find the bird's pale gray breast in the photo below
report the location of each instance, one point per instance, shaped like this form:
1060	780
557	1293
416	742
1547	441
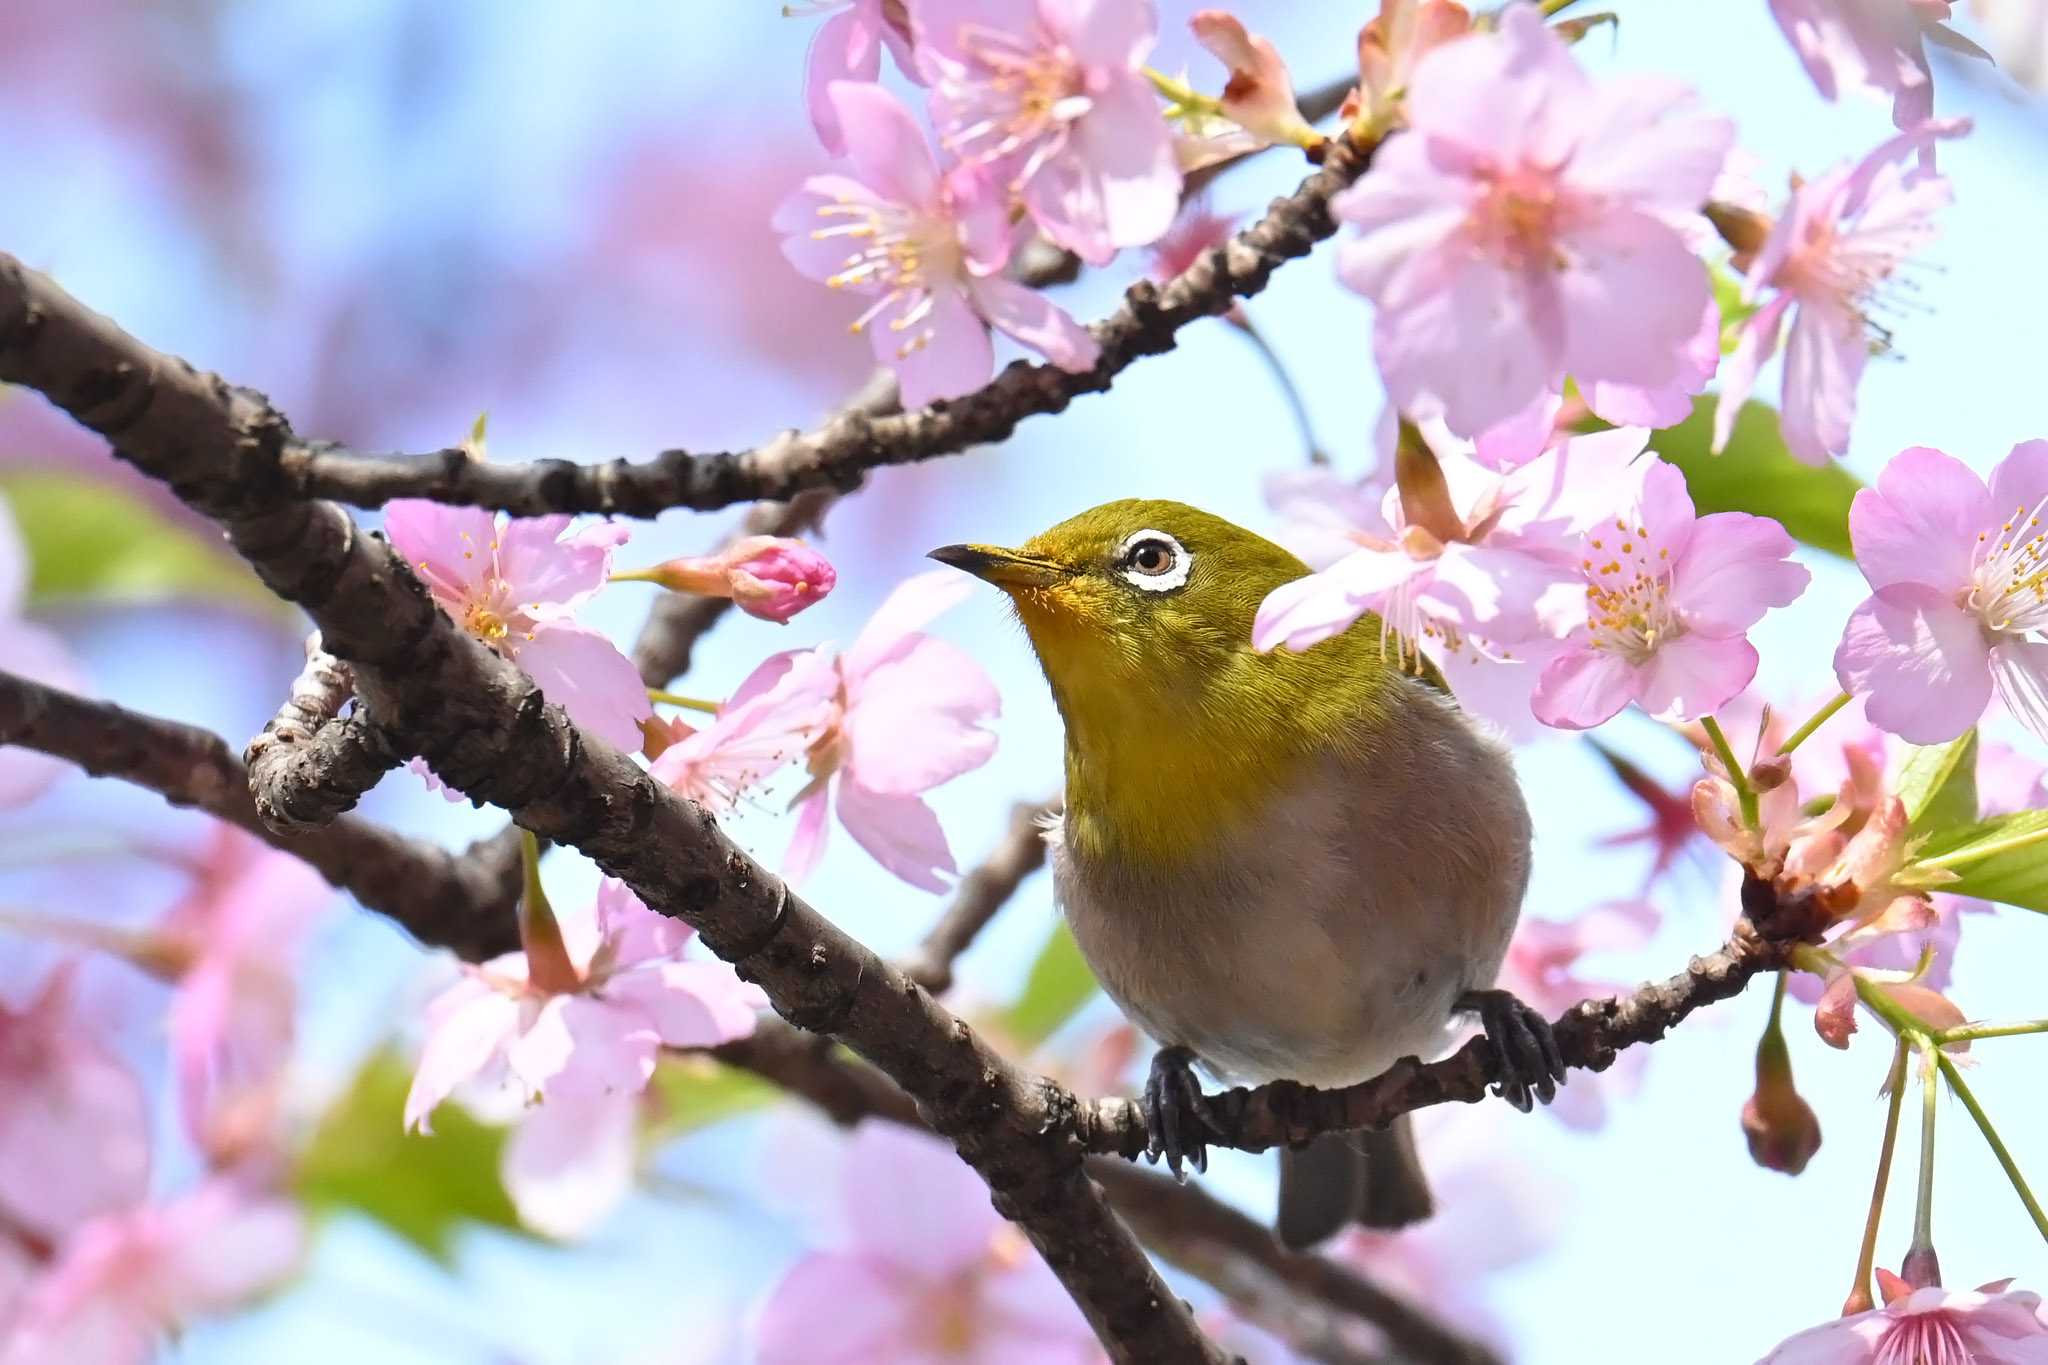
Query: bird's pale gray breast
1329	935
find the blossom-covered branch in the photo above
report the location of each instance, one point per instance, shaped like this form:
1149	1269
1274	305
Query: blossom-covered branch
838	453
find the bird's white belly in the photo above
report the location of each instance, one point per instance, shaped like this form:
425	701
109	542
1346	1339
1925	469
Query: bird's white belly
1331	935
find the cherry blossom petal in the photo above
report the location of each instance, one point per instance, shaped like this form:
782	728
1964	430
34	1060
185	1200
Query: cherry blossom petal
41	656
899	832
913	604
540	566
1129	153
1735	567
1310	610
468	1024
952	355
2019	485
844	48
1582	688
1632	295
690	1004
2019	671
807	845
914	1202
1755	344
1824	359
1834	1018
797	222
571	1161
1501	593
884	142
582	1045
582	671
871	1317
920	719
1038	322
1110	33
1656	145
1464	336
632	932
1494	95
1920	524
1920	662
448	547
1693	676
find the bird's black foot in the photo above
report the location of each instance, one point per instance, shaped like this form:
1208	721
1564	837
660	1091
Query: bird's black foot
1178	1123
1524	1048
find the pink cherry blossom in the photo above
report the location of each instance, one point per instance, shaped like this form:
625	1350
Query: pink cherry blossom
628	991
1197	229
848	47
772	577
1669	599
74	1128
1260	94
1823	264
1050	98
1663	405
779	712
928	1273
929	247
1530	224
1874	45
1542	969
1959	588
515	583
906	712
126	1282
33	652
1994	1324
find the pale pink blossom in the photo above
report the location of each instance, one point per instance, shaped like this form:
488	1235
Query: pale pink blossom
1542	969
779	712
1528	225
848	47
1873	45
124	1284
906	712
1049	97
516	583
928	1273
1389	46
772	577
33	652
74	1127
1259	96
1991	1325
1669	599
1663	405
1959	587
1823	264
928	247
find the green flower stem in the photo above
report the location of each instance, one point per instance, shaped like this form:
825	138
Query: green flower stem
1970	1033
1288	390
1860	1299
1744	793
1184	96
2012	1170
677	699
1973	852
1551	8
1814	722
1923	1203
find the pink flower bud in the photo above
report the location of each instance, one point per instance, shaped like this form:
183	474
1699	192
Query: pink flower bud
1782	1130
772	577
1260	95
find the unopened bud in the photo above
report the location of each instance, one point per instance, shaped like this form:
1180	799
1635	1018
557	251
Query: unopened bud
1782	1130
1921	1268
1769	774
1260	94
1743	229
772	577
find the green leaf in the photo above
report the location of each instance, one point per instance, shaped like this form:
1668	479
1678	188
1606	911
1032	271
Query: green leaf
2002	859
696	1092
1757	474
1938	785
88	538
1059	984
424	1188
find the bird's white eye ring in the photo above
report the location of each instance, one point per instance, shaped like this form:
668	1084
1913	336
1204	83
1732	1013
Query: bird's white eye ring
1154	561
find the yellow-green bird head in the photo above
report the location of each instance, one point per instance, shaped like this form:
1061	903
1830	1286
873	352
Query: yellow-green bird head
1141	614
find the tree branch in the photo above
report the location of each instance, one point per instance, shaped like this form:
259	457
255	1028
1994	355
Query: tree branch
464	902
307	767
981	894
837	454
487	729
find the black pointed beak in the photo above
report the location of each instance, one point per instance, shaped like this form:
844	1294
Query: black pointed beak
1005	568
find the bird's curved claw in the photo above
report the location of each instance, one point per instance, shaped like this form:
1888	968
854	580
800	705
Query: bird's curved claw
1525	1050
1178	1121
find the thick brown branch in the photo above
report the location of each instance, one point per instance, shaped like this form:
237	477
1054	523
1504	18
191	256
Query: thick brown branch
307	767
837	454
982	892
487	730
462	902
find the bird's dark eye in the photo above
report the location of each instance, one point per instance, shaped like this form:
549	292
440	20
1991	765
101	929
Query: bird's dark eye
1154	561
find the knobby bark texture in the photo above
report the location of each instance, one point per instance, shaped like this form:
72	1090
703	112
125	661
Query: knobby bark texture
838	453
304	739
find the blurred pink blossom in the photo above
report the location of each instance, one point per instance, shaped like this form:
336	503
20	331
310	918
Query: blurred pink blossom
907	713
771	577
32	652
1389	46
929	248
122	1285
1669	600
1874	45
1663	405
775	716
516	583
1993	1324
1259	96
1959	585
1197	229
1841	237
848	47
1050	99
1542	969
74	1126
1530	225
929	1273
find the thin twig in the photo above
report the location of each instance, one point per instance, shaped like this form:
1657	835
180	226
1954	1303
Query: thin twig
981	893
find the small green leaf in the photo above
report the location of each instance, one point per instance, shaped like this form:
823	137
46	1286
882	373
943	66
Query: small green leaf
695	1092
1938	785
2002	859
425	1188
1059	984
87	538
1757	474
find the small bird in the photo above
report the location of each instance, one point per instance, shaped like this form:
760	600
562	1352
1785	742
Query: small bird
1300	866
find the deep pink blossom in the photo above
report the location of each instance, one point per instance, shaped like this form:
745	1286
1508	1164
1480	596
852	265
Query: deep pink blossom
1530	224
1542	968
515	583
906	712
33	652
1050	99
1823	264
928	247
929	1273
772	577
1992	1325
125	1283
1959	581
1669	600
74	1127
1875	45
848	47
